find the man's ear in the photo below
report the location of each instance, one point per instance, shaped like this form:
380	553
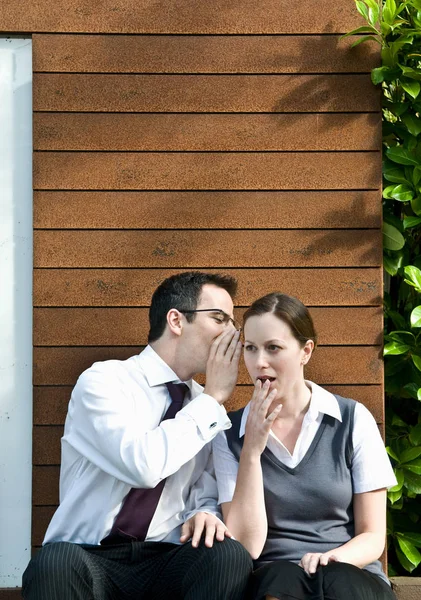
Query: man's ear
174	321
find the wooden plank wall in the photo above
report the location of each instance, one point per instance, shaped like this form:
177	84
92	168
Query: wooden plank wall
238	136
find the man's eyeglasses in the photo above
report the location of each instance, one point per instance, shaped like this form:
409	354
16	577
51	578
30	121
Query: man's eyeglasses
218	314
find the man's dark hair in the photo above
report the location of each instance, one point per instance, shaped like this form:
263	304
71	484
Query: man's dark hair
182	291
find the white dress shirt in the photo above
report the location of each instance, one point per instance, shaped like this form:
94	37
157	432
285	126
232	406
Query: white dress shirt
114	440
371	468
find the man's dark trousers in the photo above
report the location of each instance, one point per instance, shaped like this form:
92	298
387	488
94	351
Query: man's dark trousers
137	571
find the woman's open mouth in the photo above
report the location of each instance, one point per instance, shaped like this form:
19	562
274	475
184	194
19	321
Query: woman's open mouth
264	378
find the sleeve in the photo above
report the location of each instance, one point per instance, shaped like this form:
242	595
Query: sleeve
371	468
203	495
226	468
106	427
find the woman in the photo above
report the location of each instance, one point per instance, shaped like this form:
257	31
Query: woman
302	474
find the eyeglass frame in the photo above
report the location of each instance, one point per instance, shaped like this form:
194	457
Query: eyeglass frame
225	315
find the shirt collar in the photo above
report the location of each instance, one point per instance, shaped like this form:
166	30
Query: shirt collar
321	401
157	372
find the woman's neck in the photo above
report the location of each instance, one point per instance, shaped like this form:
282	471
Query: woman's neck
295	402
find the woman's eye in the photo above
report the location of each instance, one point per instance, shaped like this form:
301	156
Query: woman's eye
273	348
248	347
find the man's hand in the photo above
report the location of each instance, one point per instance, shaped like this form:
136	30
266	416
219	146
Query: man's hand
203	522
312	560
222	365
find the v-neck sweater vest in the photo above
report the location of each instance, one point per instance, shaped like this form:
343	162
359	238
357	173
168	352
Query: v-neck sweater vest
308	507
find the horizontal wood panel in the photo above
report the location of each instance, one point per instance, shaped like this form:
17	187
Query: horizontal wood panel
130	326
178	16
140	132
41	517
206	170
10	593
205	93
50	402
197	210
134	287
45	485
46	439
201	54
329	365
196	249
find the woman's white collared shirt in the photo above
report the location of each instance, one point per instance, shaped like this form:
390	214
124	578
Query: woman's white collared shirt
371	468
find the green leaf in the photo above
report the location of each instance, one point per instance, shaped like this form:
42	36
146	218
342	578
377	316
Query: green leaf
411	73
392	238
362	9
389	12
412	391
416	317
392	264
395	175
363	29
407	565
378	75
365	38
411	87
409	550
414	467
416	174
415	434
413	538
417	361
400	478
394	496
396	420
413	482
401	156
399	336
392	454
397	319
402	193
395	348
412	123
413	277
373	11
409	222
416	205
410	454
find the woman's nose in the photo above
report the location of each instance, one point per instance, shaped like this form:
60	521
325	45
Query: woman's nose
261	360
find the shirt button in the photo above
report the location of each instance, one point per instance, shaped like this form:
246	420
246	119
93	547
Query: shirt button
212	425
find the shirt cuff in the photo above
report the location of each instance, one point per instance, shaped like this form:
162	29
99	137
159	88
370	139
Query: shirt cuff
209	416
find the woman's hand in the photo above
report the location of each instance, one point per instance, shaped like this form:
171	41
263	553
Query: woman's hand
259	422
312	560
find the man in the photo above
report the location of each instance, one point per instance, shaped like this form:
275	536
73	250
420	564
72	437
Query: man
138	514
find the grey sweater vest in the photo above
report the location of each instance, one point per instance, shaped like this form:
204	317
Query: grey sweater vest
309	507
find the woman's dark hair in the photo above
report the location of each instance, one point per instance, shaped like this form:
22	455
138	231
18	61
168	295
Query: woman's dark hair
288	309
182	290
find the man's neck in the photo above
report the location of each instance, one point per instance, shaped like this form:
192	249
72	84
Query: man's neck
169	353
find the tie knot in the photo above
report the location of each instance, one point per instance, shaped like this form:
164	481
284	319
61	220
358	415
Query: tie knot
177	392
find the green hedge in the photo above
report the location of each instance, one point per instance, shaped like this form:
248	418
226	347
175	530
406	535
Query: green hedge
396	26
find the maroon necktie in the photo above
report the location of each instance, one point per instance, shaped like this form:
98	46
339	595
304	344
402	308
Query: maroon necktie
133	520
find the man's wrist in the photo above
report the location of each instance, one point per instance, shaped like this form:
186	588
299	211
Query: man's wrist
219	397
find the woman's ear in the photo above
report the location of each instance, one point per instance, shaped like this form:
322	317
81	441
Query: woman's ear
307	351
174	321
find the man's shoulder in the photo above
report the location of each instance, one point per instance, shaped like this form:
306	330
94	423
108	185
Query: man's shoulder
113	368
